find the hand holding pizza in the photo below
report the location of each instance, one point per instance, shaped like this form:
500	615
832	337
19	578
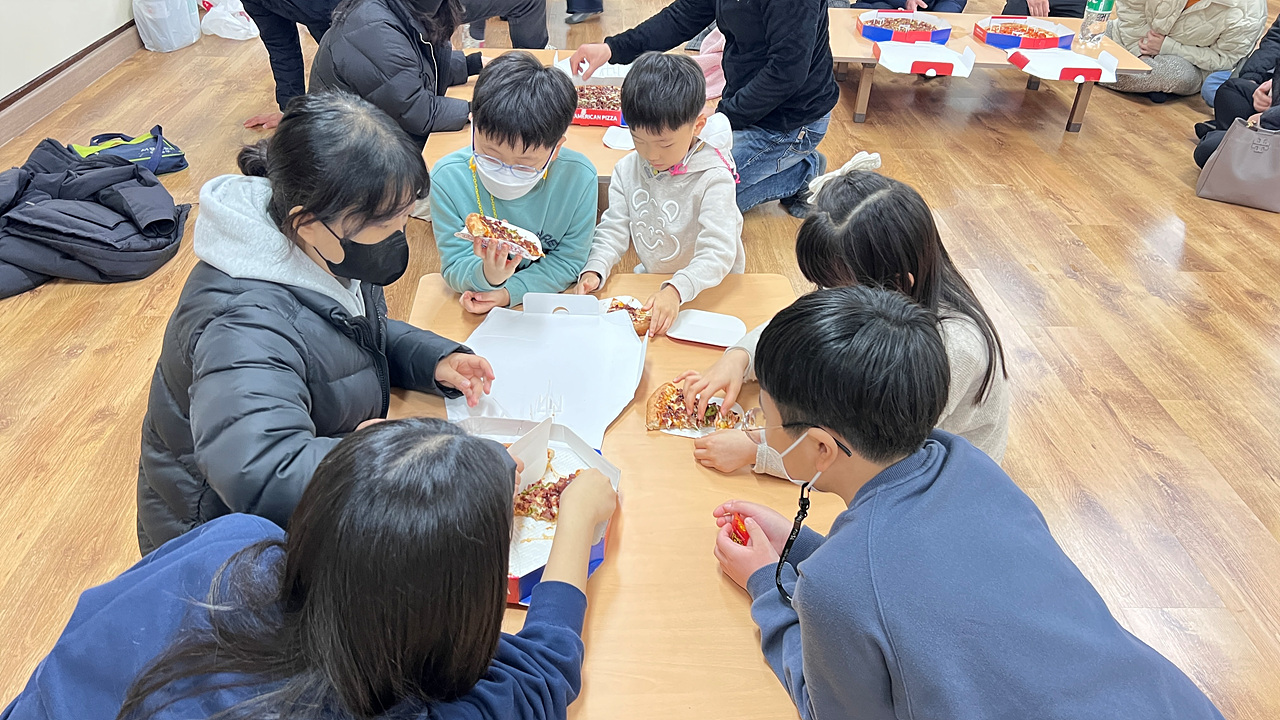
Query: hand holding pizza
587	284
725	375
469	374
498	262
588	501
663	306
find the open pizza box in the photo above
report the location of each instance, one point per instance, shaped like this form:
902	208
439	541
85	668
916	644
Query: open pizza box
531	537
925	59
563	357
605	82
1060	36
939	33
1058	64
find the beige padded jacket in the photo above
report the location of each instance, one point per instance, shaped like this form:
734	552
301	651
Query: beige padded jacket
1212	34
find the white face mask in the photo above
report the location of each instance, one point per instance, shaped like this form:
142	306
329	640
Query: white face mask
795	445
503	185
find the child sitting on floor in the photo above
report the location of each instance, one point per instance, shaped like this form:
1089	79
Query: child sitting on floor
674	198
516	170
940	592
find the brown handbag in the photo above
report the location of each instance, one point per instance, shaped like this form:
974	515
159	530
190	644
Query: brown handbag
1245	169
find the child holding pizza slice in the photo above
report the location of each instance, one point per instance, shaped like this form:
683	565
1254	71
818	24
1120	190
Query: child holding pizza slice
939	592
674	198
516	170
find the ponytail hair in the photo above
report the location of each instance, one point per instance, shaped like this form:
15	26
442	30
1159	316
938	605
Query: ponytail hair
868	229
253	159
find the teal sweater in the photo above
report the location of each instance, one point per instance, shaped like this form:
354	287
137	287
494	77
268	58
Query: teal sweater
560	209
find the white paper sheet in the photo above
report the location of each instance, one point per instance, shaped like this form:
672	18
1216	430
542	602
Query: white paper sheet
618	138
578	366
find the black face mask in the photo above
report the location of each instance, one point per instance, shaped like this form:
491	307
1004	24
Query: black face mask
381	263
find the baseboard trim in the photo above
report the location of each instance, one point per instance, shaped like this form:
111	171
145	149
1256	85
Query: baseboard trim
30	103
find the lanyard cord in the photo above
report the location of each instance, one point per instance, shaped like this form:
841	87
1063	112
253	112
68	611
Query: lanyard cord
791	540
476	183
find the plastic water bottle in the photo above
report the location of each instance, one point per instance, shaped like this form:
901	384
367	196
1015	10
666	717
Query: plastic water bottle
1094	24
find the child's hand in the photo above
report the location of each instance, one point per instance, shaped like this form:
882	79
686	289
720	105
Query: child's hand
726	374
588	501
590	498
740	562
499	263
776	528
482	302
663	306
469	374
587	284
726	451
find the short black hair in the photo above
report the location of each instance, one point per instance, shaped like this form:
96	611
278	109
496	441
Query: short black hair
863	362
663	91
522	103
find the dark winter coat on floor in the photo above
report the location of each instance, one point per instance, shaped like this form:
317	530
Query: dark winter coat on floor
383	57
268	361
101	219
1261	64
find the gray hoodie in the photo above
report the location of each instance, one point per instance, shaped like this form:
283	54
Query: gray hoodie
687	224
236	235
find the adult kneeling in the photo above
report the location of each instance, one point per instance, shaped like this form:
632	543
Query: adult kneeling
779	88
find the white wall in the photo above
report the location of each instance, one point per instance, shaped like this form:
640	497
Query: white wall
36	35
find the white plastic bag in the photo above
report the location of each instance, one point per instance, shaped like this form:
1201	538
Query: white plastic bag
227	18
166	25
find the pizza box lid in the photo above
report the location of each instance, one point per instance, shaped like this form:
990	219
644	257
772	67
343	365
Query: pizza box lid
1058	64
531	538
561	357
924	59
707	328
940	34
1063	35
607	74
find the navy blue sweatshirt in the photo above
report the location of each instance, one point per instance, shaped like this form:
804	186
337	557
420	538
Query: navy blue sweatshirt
778	70
940	593
117	629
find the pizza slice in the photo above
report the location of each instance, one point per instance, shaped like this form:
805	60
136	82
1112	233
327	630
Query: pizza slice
541	500
483	226
666	411
640	318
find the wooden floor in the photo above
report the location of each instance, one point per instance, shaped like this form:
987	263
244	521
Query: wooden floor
1142	327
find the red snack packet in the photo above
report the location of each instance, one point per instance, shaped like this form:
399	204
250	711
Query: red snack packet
738	530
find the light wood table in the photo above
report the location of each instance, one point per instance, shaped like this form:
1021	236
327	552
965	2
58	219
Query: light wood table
586	139
849	47
667	635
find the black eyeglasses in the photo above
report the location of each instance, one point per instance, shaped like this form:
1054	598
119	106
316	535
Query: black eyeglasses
801	514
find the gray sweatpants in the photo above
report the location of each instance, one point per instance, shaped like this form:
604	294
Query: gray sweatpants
1169	74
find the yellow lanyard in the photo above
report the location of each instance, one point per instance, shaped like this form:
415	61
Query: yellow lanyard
476	183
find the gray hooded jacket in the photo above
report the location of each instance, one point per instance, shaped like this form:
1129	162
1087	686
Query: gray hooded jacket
268	361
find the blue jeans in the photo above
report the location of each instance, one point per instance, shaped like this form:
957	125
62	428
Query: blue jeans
776	165
1211	84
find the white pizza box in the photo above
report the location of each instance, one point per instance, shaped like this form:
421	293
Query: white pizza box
927	59
707	328
1058	64
607	74
531	538
561	358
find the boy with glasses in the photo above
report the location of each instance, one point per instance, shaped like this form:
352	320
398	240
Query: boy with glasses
940	592
516	169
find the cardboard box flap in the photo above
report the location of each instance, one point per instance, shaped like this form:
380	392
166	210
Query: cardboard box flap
607	74
924	59
1058	64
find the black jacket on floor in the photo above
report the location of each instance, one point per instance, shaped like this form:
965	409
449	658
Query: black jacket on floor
1261	64
375	53
777	63
101	219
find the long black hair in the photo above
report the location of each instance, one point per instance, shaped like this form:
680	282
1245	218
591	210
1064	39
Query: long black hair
868	229
391	586
438	18
337	156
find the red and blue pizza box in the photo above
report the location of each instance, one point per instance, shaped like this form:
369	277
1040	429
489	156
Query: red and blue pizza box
598	118
531	539
924	59
939	35
1063	36
1059	64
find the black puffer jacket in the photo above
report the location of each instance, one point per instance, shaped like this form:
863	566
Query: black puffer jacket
1261	64
267	362
376	53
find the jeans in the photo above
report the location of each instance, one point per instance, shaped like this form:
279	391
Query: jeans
526	19
776	165
1209	90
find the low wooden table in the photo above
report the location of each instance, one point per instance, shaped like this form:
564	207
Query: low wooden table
586	139
849	47
667	635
